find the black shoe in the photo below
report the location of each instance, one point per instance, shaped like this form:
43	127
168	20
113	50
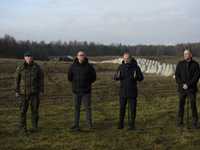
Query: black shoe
131	127
90	127
120	125
73	127
195	127
119	128
180	121
20	129
180	124
36	129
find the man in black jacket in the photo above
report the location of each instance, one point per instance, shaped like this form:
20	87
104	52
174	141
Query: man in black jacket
187	76
128	73
82	75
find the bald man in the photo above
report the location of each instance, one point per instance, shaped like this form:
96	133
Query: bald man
187	77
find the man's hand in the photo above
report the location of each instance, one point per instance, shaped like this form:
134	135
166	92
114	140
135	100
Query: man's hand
118	74
134	76
40	93
185	86
17	94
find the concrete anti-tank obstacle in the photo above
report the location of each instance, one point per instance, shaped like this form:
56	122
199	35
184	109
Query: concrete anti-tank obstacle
143	68
148	68
166	70
155	68
151	69
171	71
160	68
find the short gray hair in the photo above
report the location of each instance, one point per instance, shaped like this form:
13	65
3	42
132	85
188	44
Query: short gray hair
188	50
127	53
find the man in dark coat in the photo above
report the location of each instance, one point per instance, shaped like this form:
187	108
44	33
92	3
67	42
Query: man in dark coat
187	76
82	75
128	73
29	85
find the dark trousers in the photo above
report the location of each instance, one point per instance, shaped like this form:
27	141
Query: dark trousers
192	97
77	106
34	102
133	105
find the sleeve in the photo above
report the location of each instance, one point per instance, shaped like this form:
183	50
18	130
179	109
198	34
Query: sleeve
70	73
195	78
41	79
179	81
17	79
139	75
93	74
115	77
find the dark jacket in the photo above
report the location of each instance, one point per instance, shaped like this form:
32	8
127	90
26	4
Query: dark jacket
81	76
183	68
127	79
34	79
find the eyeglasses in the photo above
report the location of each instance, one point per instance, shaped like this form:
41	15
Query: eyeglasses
81	55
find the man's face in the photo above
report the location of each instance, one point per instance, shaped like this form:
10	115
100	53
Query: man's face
28	59
127	59
81	56
187	55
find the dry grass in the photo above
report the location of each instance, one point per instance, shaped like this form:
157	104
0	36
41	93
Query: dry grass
156	112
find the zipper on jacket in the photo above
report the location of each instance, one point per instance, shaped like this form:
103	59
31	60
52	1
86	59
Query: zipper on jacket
81	80
77	75
126	83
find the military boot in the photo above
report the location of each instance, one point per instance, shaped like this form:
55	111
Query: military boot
180	121
35	127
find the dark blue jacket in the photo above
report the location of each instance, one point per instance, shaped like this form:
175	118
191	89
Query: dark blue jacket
192	69
81	76
128	85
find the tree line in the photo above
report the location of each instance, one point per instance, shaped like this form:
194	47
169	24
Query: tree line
11	48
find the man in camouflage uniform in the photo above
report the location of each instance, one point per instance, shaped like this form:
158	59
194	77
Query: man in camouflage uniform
29	85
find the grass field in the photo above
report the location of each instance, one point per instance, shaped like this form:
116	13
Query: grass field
156	119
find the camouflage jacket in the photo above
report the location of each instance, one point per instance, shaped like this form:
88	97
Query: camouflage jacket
34	79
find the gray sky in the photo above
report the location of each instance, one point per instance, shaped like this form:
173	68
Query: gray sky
129	22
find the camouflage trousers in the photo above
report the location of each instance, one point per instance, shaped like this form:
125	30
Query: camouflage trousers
34	102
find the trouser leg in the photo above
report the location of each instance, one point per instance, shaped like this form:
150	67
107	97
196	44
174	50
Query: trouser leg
23	109
77	106
182	97
122	111
34	104
192	97
87	105
133	105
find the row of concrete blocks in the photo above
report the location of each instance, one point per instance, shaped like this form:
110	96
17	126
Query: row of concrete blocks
151	66
148	66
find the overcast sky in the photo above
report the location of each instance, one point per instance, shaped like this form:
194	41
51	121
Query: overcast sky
129	22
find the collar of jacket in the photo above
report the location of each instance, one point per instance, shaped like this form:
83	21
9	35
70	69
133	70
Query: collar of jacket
27	65
189	61
76	62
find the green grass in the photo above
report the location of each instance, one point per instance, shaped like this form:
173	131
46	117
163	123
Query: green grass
156	119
